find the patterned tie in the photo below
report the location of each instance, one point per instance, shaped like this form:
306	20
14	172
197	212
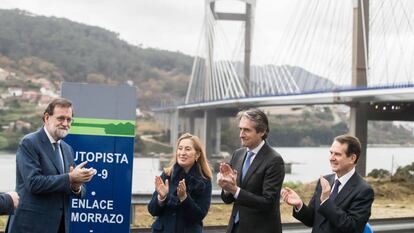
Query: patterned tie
247	162
246	166
57	154
335	190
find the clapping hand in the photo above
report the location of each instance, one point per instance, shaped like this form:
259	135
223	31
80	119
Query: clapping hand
182	190
161	188
291	197
227	177
326	189
15	198
79	175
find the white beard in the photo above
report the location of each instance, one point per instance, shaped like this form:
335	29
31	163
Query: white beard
61	133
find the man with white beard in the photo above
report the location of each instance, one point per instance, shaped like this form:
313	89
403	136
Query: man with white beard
46	176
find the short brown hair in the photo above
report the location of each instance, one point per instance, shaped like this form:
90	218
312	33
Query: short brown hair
259	118
60	102
354	145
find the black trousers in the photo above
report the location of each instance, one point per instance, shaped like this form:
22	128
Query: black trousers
62	224
235	228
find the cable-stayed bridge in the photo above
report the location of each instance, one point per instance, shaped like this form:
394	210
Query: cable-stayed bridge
354	52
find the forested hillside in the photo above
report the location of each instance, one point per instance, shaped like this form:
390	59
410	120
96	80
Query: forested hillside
82	53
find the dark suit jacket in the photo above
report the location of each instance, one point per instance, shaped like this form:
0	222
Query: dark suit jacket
348	213
6	204
44	190
182	217
258	199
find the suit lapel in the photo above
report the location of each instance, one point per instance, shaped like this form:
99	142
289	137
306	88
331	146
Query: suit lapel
65	156
255	164
347	189
50	152
331	179
239	164
320	219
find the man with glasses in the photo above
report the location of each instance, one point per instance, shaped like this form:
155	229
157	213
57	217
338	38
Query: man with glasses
46	176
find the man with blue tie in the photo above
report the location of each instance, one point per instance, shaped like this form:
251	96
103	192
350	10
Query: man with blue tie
45	175
345	207
255	192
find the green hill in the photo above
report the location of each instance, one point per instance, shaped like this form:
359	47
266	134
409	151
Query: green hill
83	53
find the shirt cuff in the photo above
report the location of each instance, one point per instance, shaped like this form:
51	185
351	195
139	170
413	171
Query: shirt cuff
298	209
237	193
78	191
161	201
324	201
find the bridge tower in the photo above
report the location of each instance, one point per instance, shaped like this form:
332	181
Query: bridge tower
209	127
359	111
245	17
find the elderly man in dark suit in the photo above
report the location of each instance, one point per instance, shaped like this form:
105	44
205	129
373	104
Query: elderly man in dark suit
346	207
45	175
8	202
253	179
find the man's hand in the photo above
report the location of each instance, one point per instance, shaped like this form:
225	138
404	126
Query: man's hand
225	169
80	175
291	198
227	178
326	189
15	198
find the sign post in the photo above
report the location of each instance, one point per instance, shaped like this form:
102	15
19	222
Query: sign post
103	134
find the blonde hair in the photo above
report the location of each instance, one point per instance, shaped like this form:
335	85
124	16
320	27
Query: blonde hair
202	162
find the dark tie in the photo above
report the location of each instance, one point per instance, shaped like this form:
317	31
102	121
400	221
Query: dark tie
247	162
335	190
246	166
57	155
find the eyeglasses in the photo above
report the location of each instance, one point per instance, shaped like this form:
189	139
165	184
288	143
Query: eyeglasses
62	119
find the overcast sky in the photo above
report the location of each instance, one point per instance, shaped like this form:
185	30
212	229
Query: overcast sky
166	24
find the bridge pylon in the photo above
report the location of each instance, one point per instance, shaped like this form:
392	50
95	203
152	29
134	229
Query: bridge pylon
206	124
359	120
215	74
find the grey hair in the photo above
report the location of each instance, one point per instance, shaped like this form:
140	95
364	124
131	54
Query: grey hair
258	117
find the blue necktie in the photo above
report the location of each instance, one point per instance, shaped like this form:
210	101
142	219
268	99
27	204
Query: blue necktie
246	166
247	162
335	190
57	155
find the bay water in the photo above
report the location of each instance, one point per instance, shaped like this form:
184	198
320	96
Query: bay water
308	163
